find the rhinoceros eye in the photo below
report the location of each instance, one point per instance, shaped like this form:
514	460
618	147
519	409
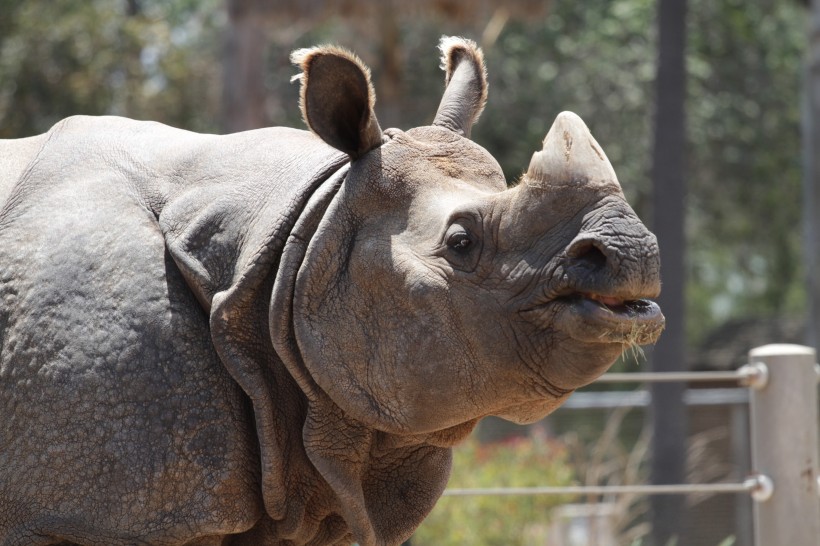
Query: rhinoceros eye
459	241
461	244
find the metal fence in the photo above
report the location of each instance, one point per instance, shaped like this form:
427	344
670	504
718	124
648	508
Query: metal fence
781	389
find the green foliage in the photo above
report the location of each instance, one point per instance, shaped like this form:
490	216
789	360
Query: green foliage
744	169
497	521
93	57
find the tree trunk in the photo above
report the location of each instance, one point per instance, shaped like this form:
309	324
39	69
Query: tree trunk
243	84
668	411
390	87
811	175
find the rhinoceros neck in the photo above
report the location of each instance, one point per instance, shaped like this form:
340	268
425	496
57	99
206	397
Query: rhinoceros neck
281	319
383	485
249	320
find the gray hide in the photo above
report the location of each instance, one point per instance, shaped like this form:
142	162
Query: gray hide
275	337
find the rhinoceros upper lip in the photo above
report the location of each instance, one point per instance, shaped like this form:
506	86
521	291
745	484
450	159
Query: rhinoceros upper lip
592	316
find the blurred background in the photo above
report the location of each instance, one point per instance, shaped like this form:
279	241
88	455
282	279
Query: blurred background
704	108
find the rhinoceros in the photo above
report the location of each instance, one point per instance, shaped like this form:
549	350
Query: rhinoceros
276	337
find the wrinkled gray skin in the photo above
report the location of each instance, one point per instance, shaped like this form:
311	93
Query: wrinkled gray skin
275	337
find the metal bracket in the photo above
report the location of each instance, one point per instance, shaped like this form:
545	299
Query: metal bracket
754	375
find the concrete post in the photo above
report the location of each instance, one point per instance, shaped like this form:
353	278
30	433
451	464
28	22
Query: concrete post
784	434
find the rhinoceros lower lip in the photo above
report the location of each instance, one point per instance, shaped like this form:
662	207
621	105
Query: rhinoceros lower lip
608	318
593	317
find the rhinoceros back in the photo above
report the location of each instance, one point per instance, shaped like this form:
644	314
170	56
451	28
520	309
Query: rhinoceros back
117	411
15	156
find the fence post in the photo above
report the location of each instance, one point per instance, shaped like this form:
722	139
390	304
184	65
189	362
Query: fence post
784	423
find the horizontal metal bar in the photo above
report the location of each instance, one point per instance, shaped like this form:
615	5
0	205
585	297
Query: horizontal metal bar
641	398
661	377
673	489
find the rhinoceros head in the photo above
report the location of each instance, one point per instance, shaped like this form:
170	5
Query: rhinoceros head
434	294
428	293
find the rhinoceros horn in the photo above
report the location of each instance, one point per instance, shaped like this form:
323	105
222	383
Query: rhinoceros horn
571	156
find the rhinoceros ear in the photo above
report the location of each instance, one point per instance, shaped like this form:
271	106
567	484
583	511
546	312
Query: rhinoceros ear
337	99
466	80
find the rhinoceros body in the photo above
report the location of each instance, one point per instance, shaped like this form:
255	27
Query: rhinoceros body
275	337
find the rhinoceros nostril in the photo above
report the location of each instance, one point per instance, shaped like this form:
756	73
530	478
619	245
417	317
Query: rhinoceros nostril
588	253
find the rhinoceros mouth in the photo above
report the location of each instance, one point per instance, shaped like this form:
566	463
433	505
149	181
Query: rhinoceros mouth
593	317
604	318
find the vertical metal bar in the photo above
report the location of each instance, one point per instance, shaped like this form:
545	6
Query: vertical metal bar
784	426
668	412
742	458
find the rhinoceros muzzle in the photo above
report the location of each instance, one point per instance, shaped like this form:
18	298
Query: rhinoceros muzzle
608	297
603	292
596	318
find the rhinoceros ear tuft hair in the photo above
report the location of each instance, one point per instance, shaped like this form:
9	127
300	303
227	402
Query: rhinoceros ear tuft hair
466	84
337	99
